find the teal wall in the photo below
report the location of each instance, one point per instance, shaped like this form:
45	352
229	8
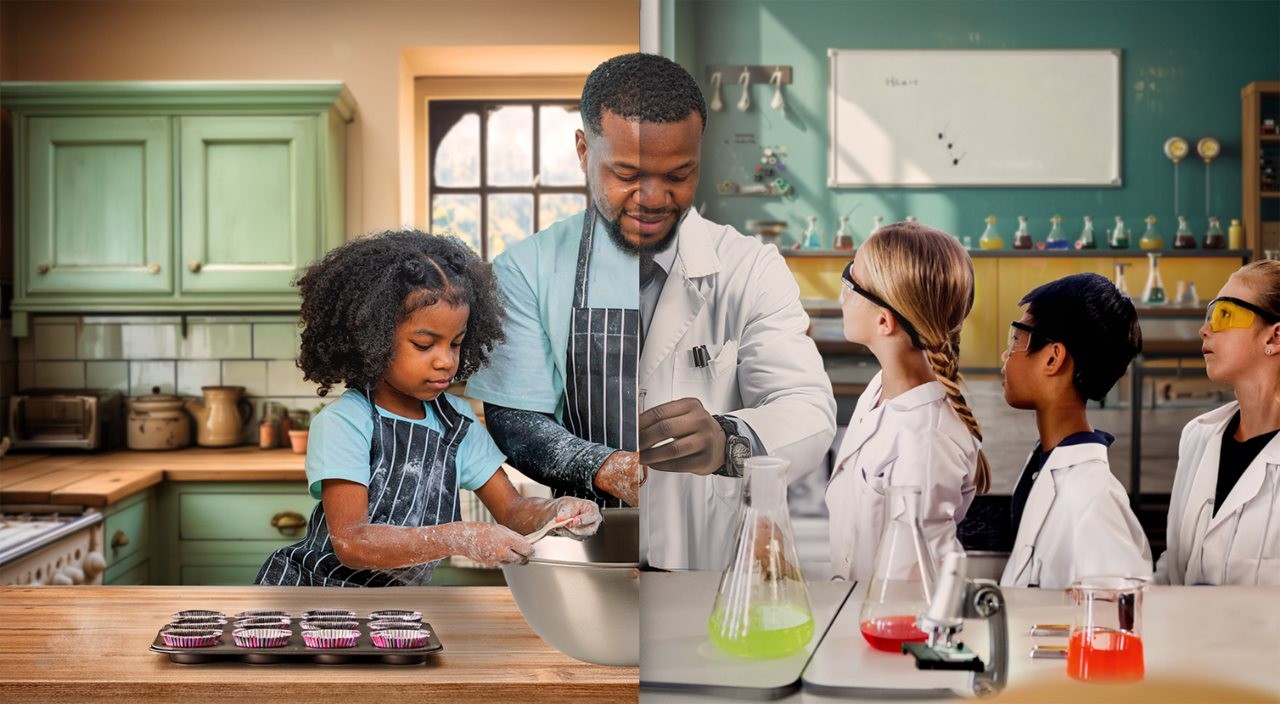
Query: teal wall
1192	59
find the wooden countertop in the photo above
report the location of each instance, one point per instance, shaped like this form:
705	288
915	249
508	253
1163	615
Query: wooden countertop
87	643
100	479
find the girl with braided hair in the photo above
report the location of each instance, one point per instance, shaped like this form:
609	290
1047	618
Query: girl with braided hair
905	297
397	318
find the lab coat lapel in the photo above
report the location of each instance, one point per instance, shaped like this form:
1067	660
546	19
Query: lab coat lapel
1204	481
1039	500
857	434
683	295
1249	484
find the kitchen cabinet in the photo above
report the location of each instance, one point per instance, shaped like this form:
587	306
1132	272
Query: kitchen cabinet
172	197
220	533
128	535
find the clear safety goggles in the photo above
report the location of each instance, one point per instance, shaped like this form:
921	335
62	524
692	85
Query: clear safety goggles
851	286
1021	343
1226	313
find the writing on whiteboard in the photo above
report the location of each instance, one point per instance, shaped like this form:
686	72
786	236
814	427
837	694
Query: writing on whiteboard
895	82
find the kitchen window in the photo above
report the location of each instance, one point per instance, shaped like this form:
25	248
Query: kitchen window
501	170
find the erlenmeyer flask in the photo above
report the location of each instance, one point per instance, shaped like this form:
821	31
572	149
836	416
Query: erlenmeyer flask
1153	294
902	579
762	607
1121	286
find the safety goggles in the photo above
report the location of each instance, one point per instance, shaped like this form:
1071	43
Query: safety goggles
1226	313
847	278
1015	346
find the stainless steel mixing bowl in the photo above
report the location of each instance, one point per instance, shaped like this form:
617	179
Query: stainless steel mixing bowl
583	597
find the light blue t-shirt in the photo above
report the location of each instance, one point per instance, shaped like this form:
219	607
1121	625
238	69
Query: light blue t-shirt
537	276
342	435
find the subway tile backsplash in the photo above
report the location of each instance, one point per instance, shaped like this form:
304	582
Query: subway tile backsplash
136	353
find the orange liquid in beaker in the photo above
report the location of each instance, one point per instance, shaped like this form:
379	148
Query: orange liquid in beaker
888	633
1104	655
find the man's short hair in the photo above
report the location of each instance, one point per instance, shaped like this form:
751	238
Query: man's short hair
641	88
1095	322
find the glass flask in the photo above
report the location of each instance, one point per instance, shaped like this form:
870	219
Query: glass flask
1120	235
844	235
812	238
1213	238
1121	286
902	579
1153	294
991	239
1056	240
1183	239
1022	238
1151	239
1087	239
762	608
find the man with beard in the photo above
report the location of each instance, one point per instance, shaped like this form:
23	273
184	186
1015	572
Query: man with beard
720	326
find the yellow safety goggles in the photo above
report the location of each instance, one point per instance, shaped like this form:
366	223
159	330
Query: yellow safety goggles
1225	313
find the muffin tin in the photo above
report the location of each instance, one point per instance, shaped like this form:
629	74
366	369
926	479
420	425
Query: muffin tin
329	636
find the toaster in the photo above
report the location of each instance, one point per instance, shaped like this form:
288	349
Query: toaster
78	419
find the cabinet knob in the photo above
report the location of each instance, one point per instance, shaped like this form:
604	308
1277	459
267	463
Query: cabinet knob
288	522
195	266
42	268
154	268
118	541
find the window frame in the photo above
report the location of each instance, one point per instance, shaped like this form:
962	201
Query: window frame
484	107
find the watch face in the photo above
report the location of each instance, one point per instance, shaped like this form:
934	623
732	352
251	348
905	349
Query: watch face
739	449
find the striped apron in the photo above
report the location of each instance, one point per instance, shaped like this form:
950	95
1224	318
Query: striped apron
601	365
414	482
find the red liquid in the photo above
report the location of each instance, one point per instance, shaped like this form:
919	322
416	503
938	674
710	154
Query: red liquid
1106	655
888	633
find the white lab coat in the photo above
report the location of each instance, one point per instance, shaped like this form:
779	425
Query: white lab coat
737	297
1076	523
915	439
1241	543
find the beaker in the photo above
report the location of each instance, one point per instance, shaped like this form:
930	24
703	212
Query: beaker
1022	238
1106	635
1153	294
1121	286
844	235
762	607
902	578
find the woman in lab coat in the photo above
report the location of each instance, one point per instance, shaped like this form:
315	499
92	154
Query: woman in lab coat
1224	526
905	297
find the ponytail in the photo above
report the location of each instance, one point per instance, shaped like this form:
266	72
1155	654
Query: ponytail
945	363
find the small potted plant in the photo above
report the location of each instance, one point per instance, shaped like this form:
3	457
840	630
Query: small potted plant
301	427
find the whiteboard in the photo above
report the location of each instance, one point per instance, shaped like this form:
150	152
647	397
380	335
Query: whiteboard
974	117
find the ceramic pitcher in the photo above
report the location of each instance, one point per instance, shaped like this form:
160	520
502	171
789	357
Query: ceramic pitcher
222	417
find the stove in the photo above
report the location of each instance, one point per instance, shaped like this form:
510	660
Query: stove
50	545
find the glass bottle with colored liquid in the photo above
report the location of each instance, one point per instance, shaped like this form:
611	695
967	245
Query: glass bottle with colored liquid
812	238
1022	238
1087	239
1213	238
991	239
1183	239
1119	235
1153	294
1151	239
903	577
1056	240
762	607
844	235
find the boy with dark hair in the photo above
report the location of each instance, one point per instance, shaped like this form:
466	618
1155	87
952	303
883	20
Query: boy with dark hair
1072	517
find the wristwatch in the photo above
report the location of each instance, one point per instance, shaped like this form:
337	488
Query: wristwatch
737	448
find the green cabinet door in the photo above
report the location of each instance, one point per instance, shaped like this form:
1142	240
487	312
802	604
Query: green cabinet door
249	202
98	205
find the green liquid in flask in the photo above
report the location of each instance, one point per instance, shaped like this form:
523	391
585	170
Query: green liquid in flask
773	630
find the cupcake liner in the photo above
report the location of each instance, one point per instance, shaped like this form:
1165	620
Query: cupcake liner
321	614
198	614
331	638
263	622
394	625
262	613
395	615
335	624
261	637
199	622
400	638
190	637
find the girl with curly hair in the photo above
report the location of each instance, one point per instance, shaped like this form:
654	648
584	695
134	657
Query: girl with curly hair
397	318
